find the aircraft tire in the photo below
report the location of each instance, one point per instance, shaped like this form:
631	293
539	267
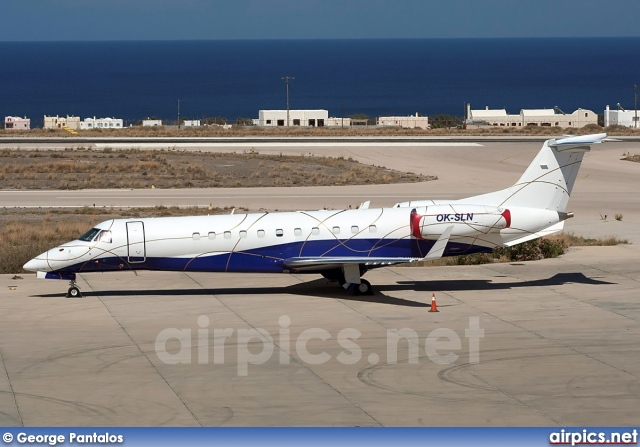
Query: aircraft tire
74	292
364	288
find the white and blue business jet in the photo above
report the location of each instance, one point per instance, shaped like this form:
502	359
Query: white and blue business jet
340	245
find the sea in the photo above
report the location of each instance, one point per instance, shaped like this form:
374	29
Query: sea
237	78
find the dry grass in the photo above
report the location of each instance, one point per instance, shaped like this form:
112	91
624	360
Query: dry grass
571	240
133	168
634	158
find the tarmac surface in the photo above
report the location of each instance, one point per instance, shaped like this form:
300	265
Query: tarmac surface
543	343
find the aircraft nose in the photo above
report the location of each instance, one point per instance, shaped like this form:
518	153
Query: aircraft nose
36	265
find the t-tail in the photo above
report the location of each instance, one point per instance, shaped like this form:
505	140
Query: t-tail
535	206
548	181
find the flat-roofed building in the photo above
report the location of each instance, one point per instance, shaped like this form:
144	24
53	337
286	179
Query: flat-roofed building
58	122
17	123
151	123
303	118
620	117
191	123
101	123
337	122
406	122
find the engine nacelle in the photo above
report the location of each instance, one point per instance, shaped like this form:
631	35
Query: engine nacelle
532	220
467	220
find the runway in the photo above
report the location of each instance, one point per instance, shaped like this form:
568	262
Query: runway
542	343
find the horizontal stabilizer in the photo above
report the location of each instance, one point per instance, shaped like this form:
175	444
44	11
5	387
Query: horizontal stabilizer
581	140
555	228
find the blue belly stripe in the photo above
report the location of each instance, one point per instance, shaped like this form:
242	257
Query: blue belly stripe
270	259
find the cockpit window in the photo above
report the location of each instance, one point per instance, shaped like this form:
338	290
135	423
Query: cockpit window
89	235
104	236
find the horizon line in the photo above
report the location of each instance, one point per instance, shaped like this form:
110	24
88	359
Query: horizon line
321	38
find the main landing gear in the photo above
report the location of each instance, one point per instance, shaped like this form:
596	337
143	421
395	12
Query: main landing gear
74	290
364	288
349	277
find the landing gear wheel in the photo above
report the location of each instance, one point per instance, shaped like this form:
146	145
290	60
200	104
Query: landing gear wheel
74	291
364	288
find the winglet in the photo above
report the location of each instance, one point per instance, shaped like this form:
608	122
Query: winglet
438	248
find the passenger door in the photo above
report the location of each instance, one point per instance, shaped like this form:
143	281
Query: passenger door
135	242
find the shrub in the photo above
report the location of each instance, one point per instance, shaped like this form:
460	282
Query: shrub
618	217
527	251
552	248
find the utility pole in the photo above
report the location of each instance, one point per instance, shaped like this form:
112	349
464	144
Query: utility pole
178	114
286	80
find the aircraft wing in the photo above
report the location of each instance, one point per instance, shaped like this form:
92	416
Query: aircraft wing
331	262
326	263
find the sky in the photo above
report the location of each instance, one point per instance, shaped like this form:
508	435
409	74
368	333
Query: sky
90	20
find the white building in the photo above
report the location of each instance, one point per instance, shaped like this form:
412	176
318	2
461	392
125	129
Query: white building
101	123
17	123
191	123
58	122
620	117
407	122
151	123
338	122
304	118
530	117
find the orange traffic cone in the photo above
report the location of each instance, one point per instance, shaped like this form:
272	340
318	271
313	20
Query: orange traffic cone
434	308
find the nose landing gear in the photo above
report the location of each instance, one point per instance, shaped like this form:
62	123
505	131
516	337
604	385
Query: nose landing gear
74	290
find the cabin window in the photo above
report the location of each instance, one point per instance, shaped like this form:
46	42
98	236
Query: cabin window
297	231
243	234
104	236
279	233
315	231
89	235
195	236
227	234
260	233
354	229
212	235
336	230
372	229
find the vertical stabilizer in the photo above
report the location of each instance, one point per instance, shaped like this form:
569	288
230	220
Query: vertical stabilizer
548	181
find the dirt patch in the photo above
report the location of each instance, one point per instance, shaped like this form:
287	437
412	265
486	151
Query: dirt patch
107	169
